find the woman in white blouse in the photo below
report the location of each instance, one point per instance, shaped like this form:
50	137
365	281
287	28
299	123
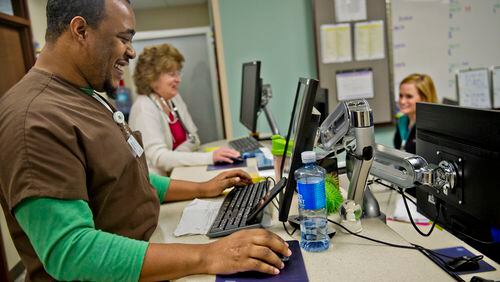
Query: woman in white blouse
169	135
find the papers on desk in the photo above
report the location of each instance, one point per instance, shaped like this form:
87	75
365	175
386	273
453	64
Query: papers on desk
400	213
197	217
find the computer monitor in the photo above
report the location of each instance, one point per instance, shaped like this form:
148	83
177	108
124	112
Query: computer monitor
321	103
302	133
470	140
251	91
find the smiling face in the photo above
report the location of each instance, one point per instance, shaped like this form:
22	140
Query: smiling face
408	98
167	84
110	47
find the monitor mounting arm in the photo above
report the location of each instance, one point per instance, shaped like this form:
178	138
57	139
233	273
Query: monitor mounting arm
267	94
350	127
406	170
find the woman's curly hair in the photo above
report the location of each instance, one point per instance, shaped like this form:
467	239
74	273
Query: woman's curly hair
154	61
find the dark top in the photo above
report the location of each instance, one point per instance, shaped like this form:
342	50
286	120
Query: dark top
58	142
410	144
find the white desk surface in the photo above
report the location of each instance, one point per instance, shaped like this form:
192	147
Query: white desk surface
349	258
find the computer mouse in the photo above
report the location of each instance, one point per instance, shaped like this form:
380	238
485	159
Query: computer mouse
236	160
463	263
282	257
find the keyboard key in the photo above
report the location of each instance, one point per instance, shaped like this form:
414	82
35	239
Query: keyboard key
245	144
236	208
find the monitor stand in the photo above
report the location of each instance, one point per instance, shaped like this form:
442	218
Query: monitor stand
267	94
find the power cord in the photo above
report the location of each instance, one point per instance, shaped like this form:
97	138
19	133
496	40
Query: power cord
288	232
428	252
438	207
405	198
475	239
379	181
275	204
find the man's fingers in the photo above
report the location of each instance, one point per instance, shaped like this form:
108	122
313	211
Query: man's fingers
272	241
267	255
238	173
228	182
252	264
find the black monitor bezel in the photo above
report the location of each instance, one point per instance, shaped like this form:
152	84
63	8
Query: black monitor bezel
304	120
470	140
252	126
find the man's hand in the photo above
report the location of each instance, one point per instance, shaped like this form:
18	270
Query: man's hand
246	250
225	155
215	186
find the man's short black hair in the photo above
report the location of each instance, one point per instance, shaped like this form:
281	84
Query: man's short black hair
61	12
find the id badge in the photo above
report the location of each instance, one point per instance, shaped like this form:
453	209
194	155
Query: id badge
137	149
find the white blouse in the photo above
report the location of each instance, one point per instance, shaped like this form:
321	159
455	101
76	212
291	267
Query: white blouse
146	116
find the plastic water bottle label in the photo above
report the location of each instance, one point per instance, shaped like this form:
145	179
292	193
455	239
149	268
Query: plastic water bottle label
312	196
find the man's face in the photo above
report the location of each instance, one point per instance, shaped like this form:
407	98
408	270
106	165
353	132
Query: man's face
110	47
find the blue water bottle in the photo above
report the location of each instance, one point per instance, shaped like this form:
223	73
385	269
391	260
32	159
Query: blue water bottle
312	204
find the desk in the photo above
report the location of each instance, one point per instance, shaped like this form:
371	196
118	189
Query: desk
349	258
438	239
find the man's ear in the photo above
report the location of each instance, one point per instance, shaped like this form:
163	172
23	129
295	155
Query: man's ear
78	28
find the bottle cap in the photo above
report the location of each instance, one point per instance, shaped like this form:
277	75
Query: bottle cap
308	157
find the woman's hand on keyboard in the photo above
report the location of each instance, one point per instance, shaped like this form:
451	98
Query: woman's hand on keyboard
246	250
215	186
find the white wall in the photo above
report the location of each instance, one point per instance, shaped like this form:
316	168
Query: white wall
174	17
38	21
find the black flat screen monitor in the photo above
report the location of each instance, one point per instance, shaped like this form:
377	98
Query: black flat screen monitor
321	103
251	91
302	133
470	140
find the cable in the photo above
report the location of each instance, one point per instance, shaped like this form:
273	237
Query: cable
272	179
429	253
379	181
288	232
442	266
276	206
475	239
405	198
371	239
438	207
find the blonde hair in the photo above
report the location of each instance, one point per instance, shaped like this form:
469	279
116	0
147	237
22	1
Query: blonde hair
424	85
153	62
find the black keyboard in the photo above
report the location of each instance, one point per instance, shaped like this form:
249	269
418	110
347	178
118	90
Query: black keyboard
236	208
245	144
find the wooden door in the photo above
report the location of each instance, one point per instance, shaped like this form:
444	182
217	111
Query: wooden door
16	58
16	47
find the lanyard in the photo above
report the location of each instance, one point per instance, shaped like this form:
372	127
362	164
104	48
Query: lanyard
119	119
118	116
191	137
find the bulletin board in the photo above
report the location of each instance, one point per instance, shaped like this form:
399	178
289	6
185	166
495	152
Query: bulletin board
351	36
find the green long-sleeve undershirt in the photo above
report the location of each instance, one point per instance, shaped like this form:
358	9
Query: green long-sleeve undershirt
69	246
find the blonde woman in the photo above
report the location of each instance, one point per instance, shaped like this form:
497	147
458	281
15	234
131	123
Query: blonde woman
169	133
412	89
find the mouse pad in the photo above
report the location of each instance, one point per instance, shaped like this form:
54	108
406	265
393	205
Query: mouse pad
294	270
458	252
226	165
